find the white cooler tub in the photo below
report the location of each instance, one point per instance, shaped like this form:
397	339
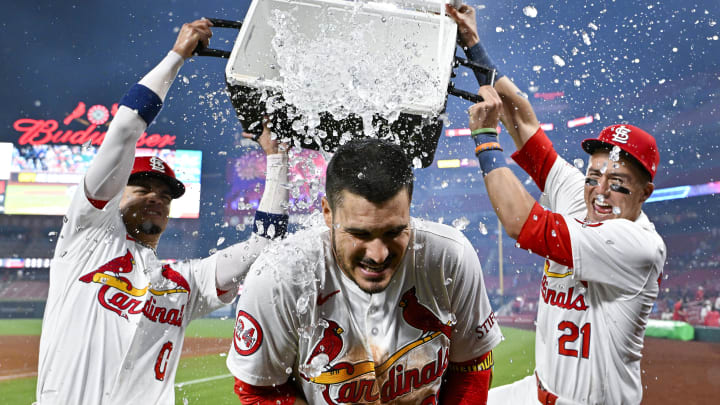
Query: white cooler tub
252	68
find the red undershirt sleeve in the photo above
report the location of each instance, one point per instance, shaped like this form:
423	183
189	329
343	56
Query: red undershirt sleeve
256	395
546	233
537	157
468	382
99	204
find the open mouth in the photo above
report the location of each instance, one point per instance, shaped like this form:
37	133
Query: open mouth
602	208
371	271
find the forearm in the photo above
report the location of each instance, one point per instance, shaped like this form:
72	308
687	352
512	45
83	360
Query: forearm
234	262
275	198
468	382
517	116
284	394
111	167
511	202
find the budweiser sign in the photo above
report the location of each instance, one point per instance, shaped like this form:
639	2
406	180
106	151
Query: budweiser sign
95	118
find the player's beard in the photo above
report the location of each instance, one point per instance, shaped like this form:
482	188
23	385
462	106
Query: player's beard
149	228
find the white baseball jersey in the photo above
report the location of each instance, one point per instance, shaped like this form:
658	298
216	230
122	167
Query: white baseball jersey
300	316
115	317
592	318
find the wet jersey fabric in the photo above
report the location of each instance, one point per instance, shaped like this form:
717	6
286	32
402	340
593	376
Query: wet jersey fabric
115	317
591	315
592	318
301	317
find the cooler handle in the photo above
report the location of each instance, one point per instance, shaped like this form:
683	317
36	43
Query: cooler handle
200	50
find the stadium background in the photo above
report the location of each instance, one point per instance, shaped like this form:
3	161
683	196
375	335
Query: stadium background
649	63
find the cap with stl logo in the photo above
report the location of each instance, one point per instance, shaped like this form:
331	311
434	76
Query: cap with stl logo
155	167
631	139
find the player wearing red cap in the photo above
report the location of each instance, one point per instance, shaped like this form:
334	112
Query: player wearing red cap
604	257
116	316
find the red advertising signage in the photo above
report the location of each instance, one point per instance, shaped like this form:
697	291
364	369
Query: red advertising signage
39	132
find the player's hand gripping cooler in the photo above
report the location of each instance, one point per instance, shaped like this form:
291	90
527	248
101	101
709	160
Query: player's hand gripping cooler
283	43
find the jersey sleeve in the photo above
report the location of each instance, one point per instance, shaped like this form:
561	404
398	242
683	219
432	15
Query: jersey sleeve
561	183
204	298
564	189
617	252
84	222
265	337
476	331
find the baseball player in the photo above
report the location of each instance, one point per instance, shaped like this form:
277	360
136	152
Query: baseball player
376	307
604	257
115	316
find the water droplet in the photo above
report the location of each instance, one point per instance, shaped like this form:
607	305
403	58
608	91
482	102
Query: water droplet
220	241
460	223
553	233
530	11
616	210
579	163
482	228
448	281
558	60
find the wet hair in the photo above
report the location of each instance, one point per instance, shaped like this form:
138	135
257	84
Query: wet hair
374	169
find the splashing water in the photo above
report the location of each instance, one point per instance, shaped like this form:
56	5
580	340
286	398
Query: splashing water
332	74
615	154
316	366
460	223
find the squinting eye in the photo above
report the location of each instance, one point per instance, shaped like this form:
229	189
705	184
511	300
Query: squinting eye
591	182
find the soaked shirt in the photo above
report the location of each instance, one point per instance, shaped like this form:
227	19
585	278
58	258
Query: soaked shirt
116	316
301	317
594	308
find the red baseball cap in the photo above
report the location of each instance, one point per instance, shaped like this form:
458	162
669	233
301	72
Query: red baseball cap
156	167
631	139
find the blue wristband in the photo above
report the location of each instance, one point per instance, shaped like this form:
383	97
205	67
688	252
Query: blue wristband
271	226
489	158
144	101
478	54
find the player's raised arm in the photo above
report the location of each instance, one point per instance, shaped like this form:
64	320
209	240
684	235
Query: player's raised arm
511	201
271	218
517	116
109	171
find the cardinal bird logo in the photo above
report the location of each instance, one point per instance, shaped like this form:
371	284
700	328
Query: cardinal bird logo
419	317
118	265
331	343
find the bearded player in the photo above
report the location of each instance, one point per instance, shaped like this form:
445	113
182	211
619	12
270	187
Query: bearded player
115	318
605	258
408	296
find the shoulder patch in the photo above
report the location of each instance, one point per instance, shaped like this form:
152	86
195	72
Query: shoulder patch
248	334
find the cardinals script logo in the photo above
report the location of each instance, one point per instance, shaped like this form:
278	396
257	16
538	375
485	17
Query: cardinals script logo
118	294
248	334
